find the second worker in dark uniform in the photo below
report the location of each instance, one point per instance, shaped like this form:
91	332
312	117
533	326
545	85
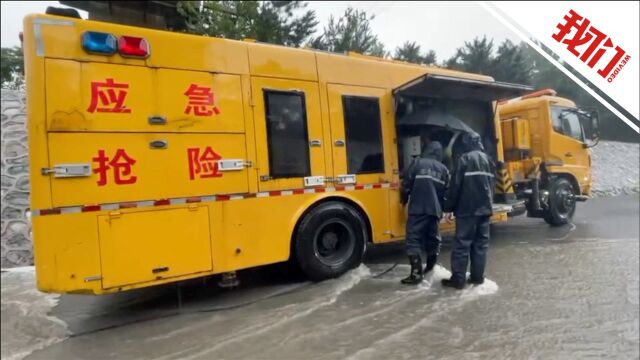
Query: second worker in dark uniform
470	198
423	186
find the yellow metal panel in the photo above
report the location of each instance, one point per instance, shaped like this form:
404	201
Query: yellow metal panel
67	257
314	129
282	62
173	242
182	169
145	92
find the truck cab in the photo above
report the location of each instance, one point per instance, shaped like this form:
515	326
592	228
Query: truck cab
546	150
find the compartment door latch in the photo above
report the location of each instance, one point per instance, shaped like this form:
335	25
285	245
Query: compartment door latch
68	170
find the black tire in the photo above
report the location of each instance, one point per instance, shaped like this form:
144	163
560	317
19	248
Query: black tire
561	204
330	241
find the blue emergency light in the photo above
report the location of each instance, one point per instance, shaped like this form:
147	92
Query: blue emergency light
99	43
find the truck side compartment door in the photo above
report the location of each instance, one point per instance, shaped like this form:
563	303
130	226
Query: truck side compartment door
361	138
289	137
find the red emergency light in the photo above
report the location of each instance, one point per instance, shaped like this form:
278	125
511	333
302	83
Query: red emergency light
131	46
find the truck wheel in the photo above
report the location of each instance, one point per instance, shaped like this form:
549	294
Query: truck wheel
561	204
330	240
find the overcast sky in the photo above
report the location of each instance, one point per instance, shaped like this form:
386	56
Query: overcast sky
441	26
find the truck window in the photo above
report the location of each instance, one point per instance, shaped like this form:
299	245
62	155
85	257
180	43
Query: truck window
287	137
566	123
363	134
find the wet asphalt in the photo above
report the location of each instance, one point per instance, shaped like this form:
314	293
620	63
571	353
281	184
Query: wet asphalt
552	293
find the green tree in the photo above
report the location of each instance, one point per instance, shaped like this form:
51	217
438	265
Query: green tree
410	52
277	22
511	65
475	56
11	67
351	32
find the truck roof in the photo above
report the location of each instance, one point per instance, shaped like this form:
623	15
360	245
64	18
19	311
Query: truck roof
194	52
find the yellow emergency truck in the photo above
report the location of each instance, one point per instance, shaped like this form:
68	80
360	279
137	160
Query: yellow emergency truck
546	153
157	157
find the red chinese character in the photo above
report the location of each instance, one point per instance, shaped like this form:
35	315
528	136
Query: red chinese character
201	101
205	165
121	165
111	96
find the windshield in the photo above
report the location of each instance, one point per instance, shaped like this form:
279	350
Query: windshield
566	122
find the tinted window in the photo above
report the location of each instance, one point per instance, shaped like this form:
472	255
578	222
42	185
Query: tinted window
287	137
566	122
363	135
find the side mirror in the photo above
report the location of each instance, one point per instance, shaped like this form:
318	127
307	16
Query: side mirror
593	122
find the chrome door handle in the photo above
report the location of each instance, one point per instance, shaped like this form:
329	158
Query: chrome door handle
313	143
339	143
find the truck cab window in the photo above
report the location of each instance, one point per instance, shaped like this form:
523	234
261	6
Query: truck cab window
566	122
363	134
287	137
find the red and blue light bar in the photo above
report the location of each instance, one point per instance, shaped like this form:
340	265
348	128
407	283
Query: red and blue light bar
107	44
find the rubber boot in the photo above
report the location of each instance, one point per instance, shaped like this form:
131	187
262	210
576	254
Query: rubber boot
415	277
475	281
459	285
431	263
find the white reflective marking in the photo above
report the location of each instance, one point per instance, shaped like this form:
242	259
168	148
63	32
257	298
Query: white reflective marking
145	203
286	192
309	191
386	185
329	189
262	194
350	187
71	210
429	177
177	201
53	22
109	207
208	199
236	197
478	173
368	187
37	32
35	212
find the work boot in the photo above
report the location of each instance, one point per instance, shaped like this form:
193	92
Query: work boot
452	283
475	281
415	277
431	263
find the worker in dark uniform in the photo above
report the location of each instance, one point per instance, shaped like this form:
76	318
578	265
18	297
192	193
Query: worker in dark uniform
423	186
470	197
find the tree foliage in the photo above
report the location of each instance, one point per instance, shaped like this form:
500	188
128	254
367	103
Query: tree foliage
11	67
351	32
410	52
277	22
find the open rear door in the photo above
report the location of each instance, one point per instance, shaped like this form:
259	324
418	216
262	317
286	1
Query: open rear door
448	88
441	86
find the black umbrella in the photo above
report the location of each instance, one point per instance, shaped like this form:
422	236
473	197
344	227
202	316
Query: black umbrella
435	118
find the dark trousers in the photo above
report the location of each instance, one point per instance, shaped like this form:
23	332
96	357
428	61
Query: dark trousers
472	242
423	235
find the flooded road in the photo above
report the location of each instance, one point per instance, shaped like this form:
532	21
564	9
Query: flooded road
568	292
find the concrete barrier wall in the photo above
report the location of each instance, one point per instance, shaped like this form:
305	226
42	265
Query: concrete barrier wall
16	226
